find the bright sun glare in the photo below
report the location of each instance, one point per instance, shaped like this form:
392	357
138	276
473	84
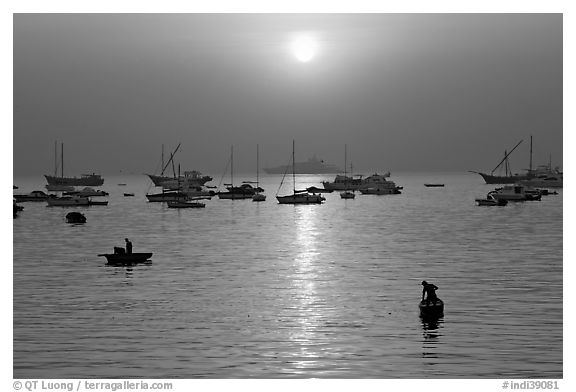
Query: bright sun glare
304	48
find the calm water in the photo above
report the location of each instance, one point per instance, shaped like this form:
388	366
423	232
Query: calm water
241	289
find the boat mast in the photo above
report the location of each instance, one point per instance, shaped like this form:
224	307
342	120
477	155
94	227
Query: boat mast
293	169
507	155
530	170
232	167
62	158
345	163
257	170
162	160
55	159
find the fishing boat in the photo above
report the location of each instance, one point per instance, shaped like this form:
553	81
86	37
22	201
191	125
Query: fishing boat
68	201
84	180
126	258
257	195
431	308
300	196
434	185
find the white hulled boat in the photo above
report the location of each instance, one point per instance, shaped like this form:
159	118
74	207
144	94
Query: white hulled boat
377	184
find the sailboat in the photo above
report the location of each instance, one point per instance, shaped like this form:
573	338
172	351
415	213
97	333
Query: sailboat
245	191
56	183
258	196
298	197
346	194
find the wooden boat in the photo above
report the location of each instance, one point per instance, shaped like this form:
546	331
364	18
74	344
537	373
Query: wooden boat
431	309
85	179
433	185
128	194
126	258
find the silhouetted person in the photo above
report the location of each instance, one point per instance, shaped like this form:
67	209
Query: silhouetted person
430	291
128	246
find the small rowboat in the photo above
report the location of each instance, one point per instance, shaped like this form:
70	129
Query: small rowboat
126	258
431	309
434	185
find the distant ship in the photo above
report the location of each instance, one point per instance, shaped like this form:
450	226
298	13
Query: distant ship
55	181
311	166
84	180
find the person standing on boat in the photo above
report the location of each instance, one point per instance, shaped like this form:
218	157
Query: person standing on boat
128	246
430	291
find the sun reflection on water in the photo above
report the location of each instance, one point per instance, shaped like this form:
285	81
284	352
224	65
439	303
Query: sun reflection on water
308	304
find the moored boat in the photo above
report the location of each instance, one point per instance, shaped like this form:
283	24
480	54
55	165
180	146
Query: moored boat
490	200
515	192
32	196
167	196
298	197
185	204
377	184
68	201
86	192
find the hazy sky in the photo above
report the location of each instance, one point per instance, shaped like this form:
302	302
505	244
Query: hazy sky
405	92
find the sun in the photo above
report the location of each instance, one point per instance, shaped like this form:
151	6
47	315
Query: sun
304	48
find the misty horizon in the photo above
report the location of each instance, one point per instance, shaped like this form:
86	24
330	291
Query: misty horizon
404	92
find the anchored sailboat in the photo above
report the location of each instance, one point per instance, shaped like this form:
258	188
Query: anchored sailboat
298	197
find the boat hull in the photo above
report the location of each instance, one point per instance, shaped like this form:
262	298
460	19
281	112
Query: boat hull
431	309
126	258
300	198
85	180
490	179
166	196
185	204
68	202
